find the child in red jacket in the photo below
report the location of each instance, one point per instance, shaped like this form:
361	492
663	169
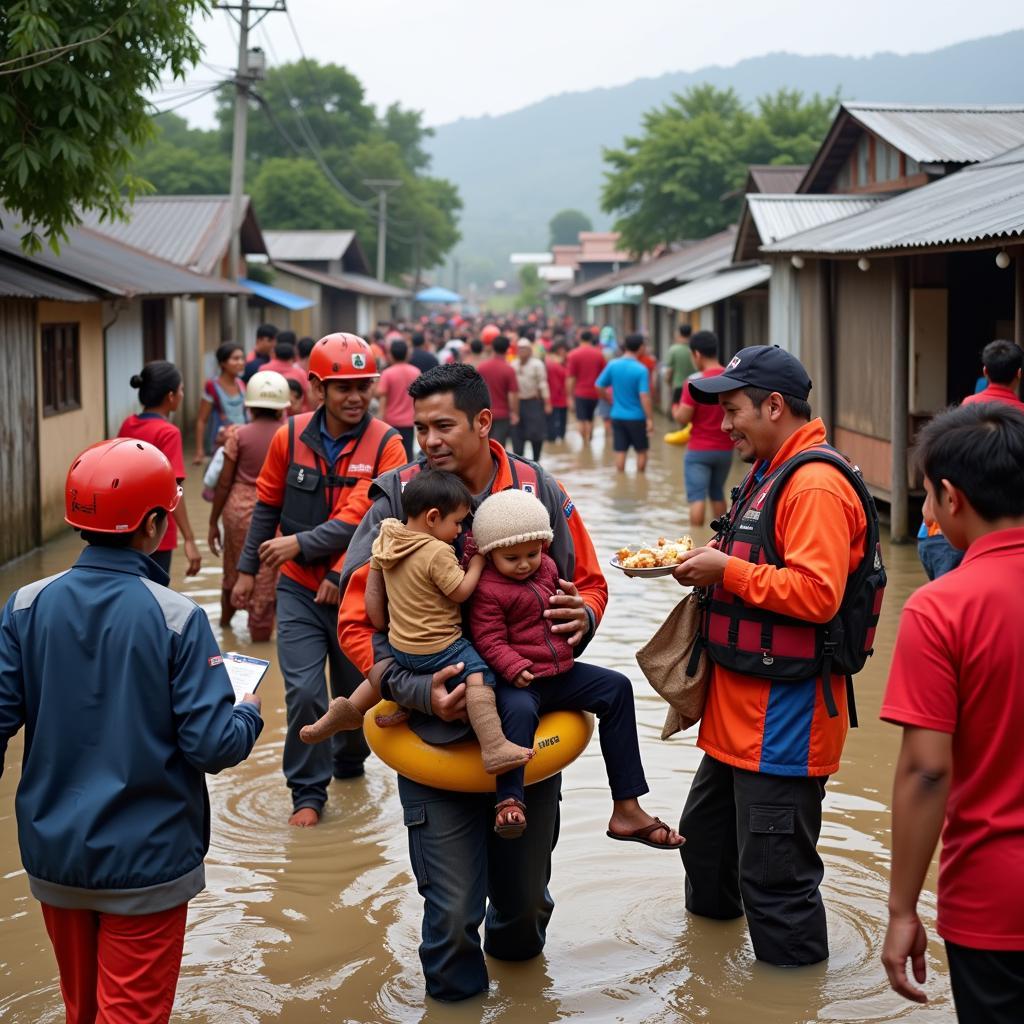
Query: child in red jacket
536	669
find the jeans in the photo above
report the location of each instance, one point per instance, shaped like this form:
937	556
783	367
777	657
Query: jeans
751	847
938	556
468	876
557	419
583	688
705	473
307	638
462	650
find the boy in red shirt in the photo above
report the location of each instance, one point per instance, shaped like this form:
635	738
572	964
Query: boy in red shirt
957	687
1001	363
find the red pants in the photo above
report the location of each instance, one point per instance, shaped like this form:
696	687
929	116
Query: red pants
116	969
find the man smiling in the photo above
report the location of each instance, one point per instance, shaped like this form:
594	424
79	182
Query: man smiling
454	852
775	721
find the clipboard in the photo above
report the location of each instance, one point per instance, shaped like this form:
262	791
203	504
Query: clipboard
245	673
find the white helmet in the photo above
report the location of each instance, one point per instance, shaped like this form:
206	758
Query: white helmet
267	390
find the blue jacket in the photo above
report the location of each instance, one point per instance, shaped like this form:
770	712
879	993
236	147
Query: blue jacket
126	703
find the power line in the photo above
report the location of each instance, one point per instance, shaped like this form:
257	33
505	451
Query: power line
184	103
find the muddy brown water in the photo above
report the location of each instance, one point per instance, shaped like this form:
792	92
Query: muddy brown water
298	926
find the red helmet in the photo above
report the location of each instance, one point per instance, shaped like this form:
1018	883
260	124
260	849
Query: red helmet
342	357
113	484
489	333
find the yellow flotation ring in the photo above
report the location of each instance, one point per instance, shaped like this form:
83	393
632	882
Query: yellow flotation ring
679	436
561	737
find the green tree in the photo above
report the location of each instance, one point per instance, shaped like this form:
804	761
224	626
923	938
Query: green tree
180	160
292	194
565	226
73	74
531	287
667	184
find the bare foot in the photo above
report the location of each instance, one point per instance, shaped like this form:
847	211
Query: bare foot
305	817
510	819
342	715
505	756
395	718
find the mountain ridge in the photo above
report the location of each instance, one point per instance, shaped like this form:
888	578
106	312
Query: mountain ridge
516	170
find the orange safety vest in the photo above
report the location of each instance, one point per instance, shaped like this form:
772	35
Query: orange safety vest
312	489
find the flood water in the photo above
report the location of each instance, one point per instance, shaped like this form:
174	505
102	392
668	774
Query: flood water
323	924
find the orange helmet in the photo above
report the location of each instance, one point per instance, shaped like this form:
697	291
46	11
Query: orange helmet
489	333
113	484
342	357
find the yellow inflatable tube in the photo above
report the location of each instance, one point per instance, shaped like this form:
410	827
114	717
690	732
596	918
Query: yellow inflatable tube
679	436
561	737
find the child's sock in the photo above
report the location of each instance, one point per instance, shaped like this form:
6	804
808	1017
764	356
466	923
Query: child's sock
499	754
342	716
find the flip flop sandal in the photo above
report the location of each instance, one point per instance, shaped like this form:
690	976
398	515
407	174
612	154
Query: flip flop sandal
643	836
511	829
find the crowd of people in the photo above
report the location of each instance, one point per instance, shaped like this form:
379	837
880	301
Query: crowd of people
369	512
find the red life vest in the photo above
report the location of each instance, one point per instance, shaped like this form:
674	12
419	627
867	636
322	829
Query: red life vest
312	488
757	642
524	476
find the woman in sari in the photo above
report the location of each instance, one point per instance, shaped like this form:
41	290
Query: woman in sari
245	448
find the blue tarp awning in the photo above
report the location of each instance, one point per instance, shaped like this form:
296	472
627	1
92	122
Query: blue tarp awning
437	294
277	296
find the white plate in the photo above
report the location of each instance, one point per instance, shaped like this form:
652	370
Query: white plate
646	574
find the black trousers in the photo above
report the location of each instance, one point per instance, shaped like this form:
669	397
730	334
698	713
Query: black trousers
408	434
500	430
988	984
751	848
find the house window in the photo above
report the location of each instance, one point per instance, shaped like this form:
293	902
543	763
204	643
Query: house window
154	330
863	164
62	384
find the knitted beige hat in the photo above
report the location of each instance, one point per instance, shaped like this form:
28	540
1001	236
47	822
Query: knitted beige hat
510	517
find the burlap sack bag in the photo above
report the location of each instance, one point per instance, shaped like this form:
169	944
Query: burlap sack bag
676	664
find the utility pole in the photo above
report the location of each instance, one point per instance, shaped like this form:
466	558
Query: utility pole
250	67
238	139
382	187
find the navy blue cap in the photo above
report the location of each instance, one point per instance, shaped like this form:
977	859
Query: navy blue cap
760	366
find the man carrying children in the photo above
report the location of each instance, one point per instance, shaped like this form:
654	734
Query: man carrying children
465	872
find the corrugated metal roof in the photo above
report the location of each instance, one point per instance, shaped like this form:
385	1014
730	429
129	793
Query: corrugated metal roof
21	281
189	231
695	260
979	202
308	245
706	291
776	178
358	283
94	259
620	295
943	134
779	216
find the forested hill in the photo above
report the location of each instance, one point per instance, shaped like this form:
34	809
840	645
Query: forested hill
515	171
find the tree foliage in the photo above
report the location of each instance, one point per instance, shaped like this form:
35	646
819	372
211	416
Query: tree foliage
72	109
312	142
531	287
565	226
668	184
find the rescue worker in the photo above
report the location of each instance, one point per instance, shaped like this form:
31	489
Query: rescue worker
314	485
452	845
777	714
127	704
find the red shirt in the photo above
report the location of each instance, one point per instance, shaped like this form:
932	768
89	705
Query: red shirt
557	374
958	668
501	382
585	365
996	393
706	435
162	434
394	386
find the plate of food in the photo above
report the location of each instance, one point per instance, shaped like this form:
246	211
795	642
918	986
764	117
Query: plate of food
659	559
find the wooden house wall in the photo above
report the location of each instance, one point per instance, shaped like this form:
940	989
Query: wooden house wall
64	435
19	447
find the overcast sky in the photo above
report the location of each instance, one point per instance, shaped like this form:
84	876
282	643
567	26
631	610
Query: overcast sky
466	58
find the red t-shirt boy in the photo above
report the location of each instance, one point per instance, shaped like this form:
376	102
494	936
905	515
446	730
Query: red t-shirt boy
956	685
